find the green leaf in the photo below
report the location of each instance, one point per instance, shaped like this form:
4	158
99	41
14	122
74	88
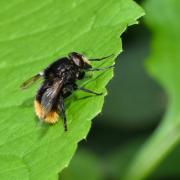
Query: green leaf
169	167
120	159
163	64
12	167
32	35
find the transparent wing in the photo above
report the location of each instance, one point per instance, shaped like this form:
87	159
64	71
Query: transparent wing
50	95
31	81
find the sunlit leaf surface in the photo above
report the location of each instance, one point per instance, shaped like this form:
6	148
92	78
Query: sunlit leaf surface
32	35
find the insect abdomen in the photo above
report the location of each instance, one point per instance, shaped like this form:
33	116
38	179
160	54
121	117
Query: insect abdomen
52	117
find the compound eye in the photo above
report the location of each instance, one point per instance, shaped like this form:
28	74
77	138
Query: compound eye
77	59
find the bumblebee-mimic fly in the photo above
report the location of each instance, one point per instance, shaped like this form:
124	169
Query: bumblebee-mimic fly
59	82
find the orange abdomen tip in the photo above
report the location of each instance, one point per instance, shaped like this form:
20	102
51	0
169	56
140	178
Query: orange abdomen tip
52	116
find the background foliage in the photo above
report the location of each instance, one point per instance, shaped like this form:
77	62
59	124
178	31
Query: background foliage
164	65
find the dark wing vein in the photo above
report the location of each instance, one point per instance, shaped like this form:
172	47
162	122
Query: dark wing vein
30	81
50	95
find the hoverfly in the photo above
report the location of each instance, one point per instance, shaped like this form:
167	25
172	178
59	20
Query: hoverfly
59	82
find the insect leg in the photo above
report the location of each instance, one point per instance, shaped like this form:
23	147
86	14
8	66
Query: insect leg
89	91
102	58
63	112
100	69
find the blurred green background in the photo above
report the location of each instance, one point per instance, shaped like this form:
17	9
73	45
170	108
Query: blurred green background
133	109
